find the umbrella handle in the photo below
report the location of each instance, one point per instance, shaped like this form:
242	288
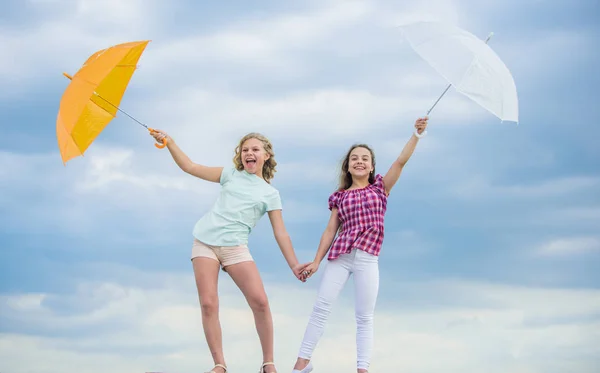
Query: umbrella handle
164	142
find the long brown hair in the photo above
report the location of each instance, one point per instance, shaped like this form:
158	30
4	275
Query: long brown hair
268	170
345	181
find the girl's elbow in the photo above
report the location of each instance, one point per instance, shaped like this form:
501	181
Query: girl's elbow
187	167
400	163
330	232
281	234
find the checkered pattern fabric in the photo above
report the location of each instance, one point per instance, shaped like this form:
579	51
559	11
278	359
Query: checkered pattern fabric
361	213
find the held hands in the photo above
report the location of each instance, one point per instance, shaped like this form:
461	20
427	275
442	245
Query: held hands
304	271
311	269
299	271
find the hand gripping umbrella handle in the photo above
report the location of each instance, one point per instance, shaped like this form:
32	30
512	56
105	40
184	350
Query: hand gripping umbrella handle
164	141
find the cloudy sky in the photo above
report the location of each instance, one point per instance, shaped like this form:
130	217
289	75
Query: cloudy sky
492	247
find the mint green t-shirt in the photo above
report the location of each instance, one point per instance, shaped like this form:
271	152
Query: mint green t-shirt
243	200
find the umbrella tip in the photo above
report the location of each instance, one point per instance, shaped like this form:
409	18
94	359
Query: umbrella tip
68	76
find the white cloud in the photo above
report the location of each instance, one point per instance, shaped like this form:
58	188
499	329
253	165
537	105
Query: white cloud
107	166
105	188
320	78
479	187
561	46
63	38
262	42
306	76
558	217
198	104
335	115
307	169
26	302
404	244
466	325
581	216
569	246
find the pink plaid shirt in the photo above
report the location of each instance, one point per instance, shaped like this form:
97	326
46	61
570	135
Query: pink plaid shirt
361	213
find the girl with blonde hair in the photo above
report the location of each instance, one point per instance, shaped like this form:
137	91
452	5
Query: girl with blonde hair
221	237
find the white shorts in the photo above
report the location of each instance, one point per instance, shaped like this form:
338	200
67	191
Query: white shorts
225	255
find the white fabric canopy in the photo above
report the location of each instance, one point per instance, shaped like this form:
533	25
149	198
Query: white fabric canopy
467	63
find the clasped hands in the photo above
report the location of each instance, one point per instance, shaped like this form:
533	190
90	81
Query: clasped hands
304	271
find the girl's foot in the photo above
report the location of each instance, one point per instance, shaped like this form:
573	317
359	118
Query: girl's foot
270	369
303	366
218	368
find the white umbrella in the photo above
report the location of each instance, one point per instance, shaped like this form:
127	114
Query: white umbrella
468	64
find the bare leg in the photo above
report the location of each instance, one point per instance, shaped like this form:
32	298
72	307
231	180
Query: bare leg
206	272
247	278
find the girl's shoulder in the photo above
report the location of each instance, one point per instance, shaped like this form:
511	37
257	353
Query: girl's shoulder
334	198
227	173
378	182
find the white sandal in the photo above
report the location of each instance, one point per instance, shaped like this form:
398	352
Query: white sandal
218	366
262	367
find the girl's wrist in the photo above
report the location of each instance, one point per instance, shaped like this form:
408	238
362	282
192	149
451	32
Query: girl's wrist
293	262
416	133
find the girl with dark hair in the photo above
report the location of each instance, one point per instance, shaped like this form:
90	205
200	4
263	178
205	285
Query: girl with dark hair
358	208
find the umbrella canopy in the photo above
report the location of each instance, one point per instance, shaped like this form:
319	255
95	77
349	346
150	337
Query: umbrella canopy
468	64
91	99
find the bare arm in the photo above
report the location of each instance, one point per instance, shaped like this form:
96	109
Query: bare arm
283	238
185	163
327	237
393	174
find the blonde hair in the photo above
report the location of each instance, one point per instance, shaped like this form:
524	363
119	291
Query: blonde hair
345	181
268	171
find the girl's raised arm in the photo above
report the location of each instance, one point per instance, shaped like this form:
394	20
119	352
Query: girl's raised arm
185	163
393	174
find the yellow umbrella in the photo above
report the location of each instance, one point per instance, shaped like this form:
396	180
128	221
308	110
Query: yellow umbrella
92	98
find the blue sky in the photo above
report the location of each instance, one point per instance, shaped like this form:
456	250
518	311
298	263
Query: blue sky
492	240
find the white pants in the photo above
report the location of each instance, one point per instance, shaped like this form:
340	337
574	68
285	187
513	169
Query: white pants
365	268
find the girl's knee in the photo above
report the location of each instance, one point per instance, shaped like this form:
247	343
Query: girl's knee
209	305
323	305
364	319
259	303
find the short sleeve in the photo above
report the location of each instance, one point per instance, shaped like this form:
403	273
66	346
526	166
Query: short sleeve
226	174
333	200
378	183
273	201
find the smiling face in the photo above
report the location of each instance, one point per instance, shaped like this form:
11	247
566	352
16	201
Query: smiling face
360	163
254	156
